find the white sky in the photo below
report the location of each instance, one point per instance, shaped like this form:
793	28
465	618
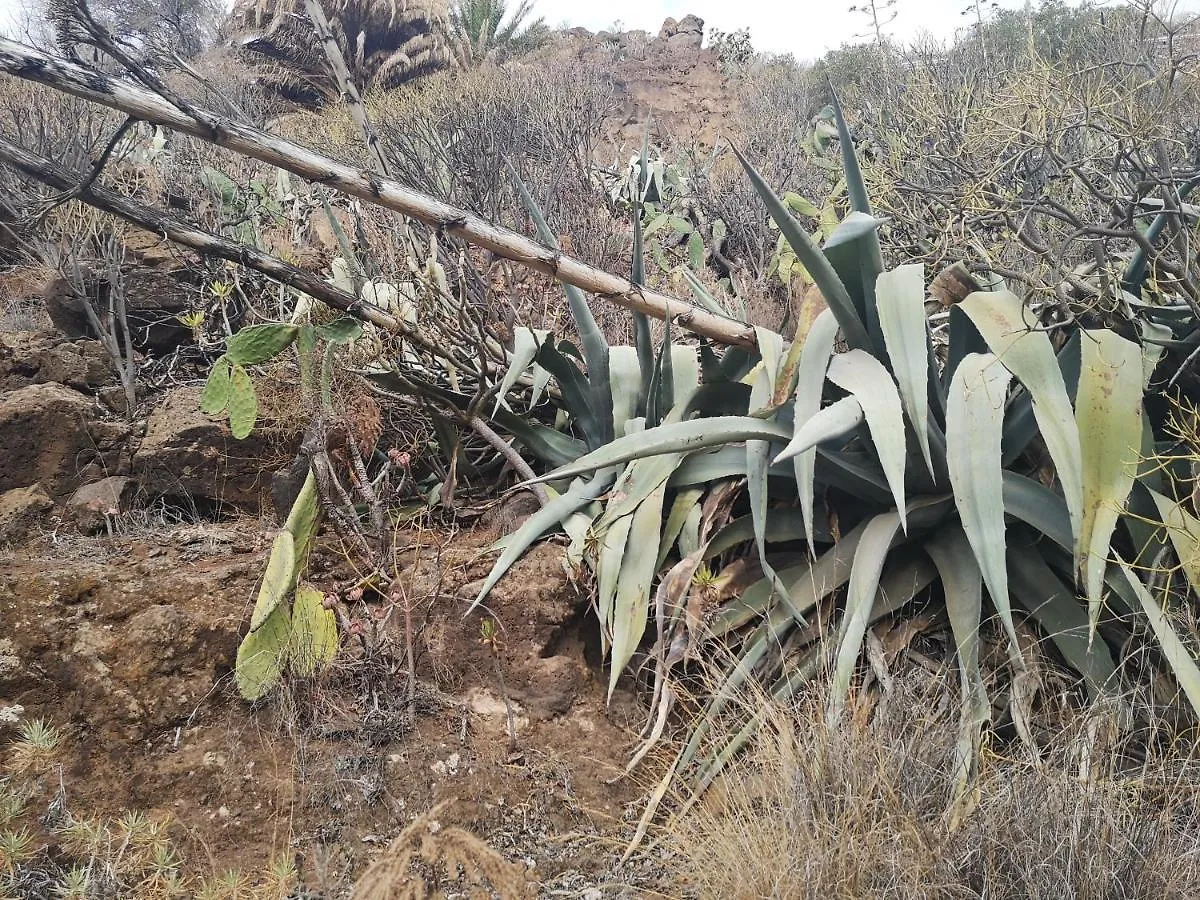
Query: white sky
806	28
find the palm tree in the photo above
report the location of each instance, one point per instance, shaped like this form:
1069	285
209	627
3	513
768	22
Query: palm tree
482	29
384	42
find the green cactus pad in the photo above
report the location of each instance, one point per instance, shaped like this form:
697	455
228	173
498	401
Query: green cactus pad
217	389
260	343
262	654
243	403
278	579
302	519
341	331
314	640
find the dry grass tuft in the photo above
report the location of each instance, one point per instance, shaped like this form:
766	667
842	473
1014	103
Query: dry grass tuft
427	855
862	812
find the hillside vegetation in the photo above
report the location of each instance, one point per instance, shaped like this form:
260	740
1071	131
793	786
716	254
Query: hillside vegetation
778	478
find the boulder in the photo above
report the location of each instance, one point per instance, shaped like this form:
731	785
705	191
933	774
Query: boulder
91	504
187	454
20	508
49	433
686	34
154	300
27	359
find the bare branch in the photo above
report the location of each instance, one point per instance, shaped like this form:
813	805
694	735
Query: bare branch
89	84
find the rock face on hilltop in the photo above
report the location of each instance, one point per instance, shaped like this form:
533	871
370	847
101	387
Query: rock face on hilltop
671	77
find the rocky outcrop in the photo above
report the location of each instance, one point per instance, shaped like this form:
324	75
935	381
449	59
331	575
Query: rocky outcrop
49	435
187	454
687	34
20	509
154	301
672	76
42	358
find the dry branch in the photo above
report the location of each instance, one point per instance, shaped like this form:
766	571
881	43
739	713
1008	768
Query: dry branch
88	84
205	242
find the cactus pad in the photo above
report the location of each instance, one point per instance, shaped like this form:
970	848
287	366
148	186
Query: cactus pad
314	639
260	343
262	654
243	403
217	389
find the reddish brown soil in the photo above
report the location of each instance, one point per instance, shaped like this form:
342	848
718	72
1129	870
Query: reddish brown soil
127	644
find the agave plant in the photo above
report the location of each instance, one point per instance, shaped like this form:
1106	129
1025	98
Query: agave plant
785	499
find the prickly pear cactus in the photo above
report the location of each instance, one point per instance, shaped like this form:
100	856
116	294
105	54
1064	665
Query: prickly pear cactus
243	403
314	639
300	634
215	399
260	343
263	654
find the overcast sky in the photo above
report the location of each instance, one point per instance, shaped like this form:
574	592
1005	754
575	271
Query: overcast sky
806	28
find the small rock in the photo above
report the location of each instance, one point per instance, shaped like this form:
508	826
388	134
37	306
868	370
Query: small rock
20	508
93	504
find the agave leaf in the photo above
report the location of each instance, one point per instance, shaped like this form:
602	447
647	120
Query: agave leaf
1061	617
1135	272
685	374
661	393
1183	529
1011	333
673	437
853	251
526	343
633	585
784	524
900	297
278	579
872	552
637	482
685	501
710	465
608	572
1108	412
1021	425
964	339
1154	336
810	383
217	388
314	640
595	347
553	514
626	386
962	583
758	453
1180	659
1036	505
260	343
575	388
834	421
856	189
703	296
974	428
262	654
818	266
864	376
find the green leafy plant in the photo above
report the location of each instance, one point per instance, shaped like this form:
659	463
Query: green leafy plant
821	487
290	628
